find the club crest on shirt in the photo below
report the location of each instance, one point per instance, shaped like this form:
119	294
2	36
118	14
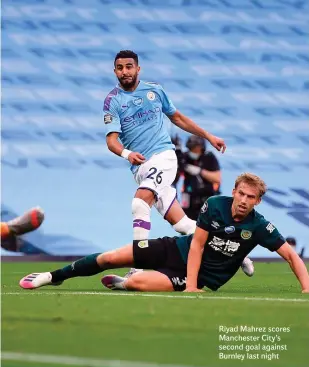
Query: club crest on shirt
151	96
108	118
245	234
138	101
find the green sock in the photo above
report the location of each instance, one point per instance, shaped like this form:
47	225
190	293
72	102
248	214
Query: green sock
83	267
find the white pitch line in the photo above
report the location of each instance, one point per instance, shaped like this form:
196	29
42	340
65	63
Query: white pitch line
77	361
125	294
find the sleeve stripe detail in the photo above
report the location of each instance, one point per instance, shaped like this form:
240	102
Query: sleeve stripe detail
109	97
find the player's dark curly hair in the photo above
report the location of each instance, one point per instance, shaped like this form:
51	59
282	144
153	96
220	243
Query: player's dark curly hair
126	54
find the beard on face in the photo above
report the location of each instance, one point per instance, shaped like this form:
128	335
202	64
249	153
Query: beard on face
128	83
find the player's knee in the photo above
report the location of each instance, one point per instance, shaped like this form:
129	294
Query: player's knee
134	283
107	259
165	204
146	195
140	209
185	225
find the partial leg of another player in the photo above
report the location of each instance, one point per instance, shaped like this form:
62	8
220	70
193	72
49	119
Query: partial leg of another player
27	222
86	266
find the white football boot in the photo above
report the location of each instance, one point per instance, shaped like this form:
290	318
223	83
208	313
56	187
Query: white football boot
37	280
114	282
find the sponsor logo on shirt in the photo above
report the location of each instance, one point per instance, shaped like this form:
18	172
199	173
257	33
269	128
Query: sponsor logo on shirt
245	234
227	248
138	101
229	229
143	244
108	118
151	96
217	243
270	227
232	246
147	114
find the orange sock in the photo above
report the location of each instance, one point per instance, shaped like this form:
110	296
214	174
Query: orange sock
5	231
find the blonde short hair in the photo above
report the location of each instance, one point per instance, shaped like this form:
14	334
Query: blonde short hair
252	180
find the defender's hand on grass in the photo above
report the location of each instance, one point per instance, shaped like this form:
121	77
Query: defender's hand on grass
305	291
193	290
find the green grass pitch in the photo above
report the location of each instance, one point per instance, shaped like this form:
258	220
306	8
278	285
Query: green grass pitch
82	320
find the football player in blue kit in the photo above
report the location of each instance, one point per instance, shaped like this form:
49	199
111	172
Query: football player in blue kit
134	114
135	130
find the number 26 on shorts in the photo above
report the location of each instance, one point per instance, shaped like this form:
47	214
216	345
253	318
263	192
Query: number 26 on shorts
153	175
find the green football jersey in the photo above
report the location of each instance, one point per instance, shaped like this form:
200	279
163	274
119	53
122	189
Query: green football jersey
228	242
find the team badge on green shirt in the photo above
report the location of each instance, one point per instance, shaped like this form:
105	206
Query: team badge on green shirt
245	234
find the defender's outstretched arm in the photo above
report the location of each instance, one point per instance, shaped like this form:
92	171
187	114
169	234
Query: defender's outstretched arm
296	264
195	258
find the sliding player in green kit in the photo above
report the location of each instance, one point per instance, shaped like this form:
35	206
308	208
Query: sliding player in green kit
228	229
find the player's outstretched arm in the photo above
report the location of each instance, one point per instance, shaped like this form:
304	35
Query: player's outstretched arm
296	264
186	124
117	148
195	258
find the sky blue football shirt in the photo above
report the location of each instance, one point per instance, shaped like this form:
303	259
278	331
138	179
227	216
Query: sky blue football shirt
138	118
